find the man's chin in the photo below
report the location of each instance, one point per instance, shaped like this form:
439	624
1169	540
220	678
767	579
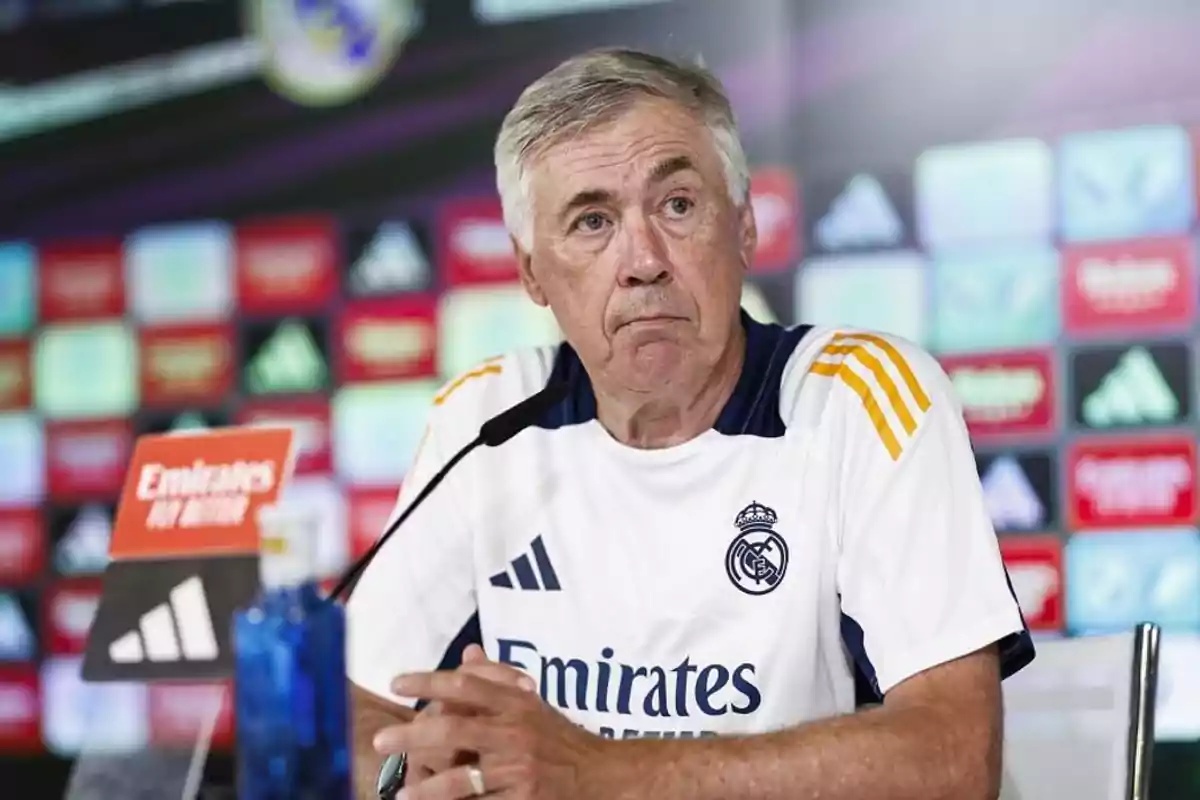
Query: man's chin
652	365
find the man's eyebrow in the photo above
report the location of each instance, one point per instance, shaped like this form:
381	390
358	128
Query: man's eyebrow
663	170
667	168
587	197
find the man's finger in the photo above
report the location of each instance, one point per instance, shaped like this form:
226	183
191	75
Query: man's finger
422	764
474	654
461	689
455	784
448	733
499	673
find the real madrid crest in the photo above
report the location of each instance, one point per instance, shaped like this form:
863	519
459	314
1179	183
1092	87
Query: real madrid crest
325	52
758	557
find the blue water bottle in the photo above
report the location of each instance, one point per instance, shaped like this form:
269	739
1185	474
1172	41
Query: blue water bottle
292	714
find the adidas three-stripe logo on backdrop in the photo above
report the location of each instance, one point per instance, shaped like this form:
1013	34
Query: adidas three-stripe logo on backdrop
531	571
179	630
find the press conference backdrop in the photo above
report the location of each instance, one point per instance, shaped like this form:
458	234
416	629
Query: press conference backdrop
184	247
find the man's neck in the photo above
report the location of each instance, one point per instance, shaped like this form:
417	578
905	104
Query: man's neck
684	412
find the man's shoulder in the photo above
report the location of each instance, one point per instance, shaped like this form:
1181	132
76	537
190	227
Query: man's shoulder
879	379
472	397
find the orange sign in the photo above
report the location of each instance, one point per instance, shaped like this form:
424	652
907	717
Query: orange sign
189	494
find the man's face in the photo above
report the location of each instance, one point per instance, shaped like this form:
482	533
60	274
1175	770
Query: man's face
637	247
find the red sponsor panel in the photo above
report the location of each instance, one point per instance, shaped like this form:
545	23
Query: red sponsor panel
775	194
1132	483
286	265
1143	284
68	609
81	280
191	365
178	712
388	339
1035	570
370	512
169	507
473	246
309	419
87	459
22	546
1005	394
20	709
16	379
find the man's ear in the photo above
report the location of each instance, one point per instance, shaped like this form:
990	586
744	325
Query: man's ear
748	233
525	270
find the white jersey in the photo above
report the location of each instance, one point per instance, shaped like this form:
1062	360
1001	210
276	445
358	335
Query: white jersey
829	528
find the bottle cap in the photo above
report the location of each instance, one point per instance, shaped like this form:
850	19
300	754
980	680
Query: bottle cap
288	545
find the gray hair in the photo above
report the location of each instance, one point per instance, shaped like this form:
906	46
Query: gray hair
592	89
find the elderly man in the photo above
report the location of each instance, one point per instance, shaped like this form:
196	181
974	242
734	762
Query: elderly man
669	587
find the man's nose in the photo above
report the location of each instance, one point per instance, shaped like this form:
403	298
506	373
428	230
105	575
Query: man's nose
646	262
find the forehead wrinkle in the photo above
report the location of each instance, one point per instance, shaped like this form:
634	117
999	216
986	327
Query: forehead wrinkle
635	164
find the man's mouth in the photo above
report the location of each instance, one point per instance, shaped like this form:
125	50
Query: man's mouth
651	319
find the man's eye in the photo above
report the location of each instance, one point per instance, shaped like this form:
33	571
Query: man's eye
679	206
591	222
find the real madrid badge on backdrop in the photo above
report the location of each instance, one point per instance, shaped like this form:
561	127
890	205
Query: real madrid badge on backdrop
327	52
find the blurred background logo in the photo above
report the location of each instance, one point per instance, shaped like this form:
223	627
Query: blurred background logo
327	52
996	299
1127	183
18	277
1123	577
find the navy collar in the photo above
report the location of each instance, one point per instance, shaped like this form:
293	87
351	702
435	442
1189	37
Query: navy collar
752	409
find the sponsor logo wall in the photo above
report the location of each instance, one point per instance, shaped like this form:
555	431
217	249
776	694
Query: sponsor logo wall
1056	281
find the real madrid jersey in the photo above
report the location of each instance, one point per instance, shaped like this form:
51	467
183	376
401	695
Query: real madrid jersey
827	532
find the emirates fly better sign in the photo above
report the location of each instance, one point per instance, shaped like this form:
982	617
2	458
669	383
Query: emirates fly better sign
184	553
200	492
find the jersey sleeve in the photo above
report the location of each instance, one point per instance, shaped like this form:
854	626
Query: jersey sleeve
414	606
919	571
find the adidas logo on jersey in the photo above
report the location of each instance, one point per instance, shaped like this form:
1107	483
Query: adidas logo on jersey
289	361
84	547
531	570
178	630
861	216
1133	393
1011	501
392	262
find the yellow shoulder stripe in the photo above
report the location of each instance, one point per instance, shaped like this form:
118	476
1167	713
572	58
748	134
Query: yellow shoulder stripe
890	390
487	368
847	348
861	389
898	361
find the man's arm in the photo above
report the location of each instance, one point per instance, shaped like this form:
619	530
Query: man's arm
938	735
369	714
414	607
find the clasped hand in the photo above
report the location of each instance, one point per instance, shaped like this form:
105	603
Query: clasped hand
485	718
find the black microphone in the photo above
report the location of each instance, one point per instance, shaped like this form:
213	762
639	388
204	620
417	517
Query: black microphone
495	432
